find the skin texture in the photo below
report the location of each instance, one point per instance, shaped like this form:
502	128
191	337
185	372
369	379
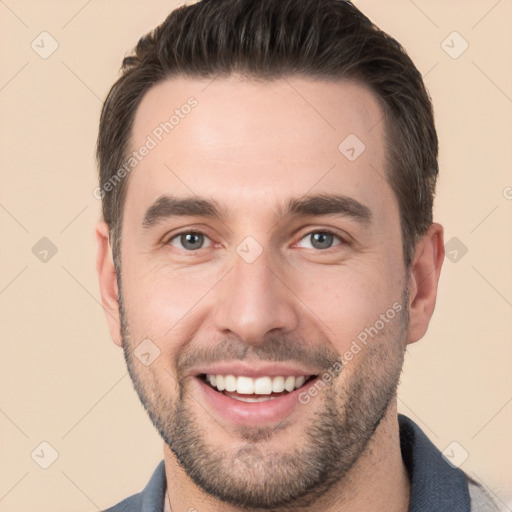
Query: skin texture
250	146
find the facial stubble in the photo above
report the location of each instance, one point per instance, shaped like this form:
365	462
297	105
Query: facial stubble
252	476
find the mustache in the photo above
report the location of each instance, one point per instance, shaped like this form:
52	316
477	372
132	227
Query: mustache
275	348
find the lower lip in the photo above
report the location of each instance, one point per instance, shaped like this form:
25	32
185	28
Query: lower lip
249	413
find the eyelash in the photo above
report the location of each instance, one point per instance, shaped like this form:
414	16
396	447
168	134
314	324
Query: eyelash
343	240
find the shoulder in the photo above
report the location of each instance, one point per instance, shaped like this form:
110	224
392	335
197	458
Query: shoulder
480	500
436	484
151	499
131	504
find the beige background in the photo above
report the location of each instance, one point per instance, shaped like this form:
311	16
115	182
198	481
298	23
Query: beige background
62	379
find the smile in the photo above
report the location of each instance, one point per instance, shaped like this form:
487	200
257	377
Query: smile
248	389
245	400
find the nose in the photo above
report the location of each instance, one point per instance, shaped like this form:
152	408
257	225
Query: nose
254	300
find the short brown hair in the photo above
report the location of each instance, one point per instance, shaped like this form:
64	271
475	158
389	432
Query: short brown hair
269	39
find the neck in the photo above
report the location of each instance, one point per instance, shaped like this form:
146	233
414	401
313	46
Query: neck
377	481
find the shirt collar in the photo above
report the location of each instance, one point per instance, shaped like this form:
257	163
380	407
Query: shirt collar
435	483
154	493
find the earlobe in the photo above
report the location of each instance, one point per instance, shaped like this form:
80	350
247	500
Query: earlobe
423	281
107	276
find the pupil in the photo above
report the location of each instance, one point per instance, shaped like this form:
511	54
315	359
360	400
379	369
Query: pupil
322	240
192	240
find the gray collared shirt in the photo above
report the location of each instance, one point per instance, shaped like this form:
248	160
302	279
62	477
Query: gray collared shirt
436	486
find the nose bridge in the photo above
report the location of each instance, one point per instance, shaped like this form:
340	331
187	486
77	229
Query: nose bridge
254	301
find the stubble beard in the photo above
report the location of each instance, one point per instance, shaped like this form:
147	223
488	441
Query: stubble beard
252	476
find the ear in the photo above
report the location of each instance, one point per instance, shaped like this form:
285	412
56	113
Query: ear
107	276
423	279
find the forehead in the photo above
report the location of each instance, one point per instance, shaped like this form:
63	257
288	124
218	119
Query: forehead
241	138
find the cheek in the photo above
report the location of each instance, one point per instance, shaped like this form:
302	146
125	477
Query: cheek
348	303
161	303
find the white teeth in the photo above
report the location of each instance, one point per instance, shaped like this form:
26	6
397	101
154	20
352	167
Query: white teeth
278	384
299	381
289	383
260	386
245	385
263	386
230	382
221	385
254	398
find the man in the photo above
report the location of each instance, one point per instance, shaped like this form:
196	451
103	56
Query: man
266	254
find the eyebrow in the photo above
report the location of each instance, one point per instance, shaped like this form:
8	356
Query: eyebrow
327	204
170	206
322	204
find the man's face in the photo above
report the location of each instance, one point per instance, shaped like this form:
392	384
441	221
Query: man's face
261	292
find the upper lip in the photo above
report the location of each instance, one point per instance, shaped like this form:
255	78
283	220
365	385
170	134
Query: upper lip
255	370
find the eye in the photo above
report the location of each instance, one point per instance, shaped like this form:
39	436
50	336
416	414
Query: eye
320	240
189	240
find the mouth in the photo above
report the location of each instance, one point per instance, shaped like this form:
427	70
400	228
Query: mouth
253	394
254	390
